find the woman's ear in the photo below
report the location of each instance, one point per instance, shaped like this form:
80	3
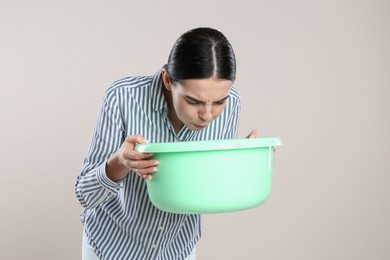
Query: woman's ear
166	79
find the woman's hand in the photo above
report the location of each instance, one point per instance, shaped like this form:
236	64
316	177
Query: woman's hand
127	159
254	134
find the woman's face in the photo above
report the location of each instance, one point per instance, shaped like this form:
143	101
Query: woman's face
197	102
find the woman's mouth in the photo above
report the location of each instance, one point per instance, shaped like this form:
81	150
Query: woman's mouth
199	126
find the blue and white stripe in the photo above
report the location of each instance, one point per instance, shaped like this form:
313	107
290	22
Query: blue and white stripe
119	219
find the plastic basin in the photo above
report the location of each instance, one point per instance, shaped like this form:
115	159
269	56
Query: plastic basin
199	177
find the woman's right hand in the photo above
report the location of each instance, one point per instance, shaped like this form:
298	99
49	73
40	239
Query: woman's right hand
127	159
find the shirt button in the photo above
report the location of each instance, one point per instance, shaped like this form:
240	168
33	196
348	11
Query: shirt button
160	228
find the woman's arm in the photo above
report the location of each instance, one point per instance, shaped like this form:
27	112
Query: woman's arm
234	105
231	129
110	157
92	185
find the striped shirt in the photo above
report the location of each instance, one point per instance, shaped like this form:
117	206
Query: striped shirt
119	220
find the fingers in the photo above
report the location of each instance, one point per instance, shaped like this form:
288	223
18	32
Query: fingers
140	163
254	134
145	168
144	165
145	173
131	154
132	140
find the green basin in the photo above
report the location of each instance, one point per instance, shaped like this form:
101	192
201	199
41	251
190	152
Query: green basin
199	177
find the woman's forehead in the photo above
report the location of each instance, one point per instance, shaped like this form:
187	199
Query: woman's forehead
205	89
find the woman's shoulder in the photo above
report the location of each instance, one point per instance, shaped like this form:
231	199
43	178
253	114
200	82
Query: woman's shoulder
131	82
125	88
235	94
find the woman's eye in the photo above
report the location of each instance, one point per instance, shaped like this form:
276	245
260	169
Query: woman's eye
191	102
220	102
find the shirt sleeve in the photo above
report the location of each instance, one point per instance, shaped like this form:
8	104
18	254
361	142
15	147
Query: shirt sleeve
231	129
92	185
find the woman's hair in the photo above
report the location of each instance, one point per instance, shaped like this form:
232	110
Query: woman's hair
201	53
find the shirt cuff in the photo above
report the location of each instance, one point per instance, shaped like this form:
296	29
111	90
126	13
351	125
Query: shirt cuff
105	181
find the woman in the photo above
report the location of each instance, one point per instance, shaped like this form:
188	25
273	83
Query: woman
190	98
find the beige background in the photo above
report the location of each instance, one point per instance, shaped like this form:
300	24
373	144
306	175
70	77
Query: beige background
315	73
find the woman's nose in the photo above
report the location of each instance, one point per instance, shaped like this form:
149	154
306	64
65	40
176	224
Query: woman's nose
206	113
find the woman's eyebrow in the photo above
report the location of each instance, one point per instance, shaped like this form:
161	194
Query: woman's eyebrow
223	99
202	102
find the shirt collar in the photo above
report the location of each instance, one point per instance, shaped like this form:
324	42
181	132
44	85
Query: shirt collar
157	94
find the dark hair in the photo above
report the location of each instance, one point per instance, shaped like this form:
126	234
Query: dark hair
201	53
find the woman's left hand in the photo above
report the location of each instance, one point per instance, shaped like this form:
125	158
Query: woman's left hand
254	134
